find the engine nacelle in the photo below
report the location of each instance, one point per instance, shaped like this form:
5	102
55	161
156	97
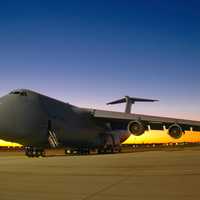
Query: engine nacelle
136	128
175	131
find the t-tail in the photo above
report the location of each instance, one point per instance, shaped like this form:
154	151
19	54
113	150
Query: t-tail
130	101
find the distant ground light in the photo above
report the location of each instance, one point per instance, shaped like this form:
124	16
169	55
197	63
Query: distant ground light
149	137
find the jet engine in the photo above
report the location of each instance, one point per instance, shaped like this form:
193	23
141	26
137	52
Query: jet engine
175	131
136	128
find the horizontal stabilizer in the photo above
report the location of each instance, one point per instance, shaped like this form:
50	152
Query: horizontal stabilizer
132	99
129	101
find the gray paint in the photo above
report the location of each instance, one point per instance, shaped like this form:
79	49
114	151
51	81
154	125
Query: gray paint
25	116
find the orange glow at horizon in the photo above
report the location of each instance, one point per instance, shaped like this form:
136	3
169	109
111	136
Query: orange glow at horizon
157	136
151	136
4	143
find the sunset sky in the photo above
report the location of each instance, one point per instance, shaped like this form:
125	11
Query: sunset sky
91	52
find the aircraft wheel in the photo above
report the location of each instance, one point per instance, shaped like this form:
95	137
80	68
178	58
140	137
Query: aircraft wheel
37	154
99	151
34	152
68	151
28	153
112	150
84	151
87	151
118	149
42	153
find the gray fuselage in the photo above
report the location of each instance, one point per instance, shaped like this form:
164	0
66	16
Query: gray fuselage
26	117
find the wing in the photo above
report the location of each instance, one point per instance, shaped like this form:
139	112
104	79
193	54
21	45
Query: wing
121	120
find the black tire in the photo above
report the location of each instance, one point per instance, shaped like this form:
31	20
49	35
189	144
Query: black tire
99	151
42	153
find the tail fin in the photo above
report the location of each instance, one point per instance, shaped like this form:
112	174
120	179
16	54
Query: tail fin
129	101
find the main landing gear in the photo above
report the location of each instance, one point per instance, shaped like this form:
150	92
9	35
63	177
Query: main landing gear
108	144
77	151
109	150
34	152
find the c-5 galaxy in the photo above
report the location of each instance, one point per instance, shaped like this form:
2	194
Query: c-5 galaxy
38	122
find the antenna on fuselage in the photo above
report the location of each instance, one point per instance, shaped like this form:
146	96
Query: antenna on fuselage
130	101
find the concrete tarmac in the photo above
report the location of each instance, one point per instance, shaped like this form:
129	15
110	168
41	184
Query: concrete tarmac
150	175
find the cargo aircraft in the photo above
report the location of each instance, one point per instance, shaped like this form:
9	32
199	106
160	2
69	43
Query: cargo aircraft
38	122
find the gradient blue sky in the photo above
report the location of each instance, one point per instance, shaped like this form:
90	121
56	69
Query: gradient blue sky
90	52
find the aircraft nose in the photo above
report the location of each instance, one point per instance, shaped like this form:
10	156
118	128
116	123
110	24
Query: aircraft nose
7	116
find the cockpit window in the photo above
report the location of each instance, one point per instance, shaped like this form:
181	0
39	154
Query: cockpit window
21	93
